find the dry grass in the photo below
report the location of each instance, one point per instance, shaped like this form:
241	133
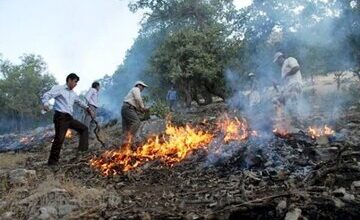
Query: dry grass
86	197
12	160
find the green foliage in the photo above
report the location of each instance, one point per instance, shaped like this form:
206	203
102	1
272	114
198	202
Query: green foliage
160	108
195	60
21	88
192	43
197	45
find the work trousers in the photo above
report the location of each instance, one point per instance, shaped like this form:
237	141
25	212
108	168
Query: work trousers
130	121
63	122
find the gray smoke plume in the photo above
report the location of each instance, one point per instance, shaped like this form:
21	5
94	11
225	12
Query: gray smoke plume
134	67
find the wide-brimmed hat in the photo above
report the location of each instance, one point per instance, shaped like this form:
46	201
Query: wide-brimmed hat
277	55
140	83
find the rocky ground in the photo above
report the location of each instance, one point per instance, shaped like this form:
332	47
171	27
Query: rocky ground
264	177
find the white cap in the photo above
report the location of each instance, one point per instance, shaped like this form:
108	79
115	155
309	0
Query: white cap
251	74
277	55
140	83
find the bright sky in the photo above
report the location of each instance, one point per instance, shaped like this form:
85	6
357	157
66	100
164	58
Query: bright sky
88	37
242	3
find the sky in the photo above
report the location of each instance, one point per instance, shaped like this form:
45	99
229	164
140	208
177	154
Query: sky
88	37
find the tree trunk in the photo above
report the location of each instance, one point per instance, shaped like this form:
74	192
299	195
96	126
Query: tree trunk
188	97
195	96
185	87
18	122
207	97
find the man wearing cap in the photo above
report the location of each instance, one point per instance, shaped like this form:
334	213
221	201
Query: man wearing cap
291	76
65	98
133	104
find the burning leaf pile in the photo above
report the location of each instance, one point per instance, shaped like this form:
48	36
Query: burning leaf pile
179	142
268	176
254	176
171	148
10	142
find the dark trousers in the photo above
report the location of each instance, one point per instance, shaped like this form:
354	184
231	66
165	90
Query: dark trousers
172	104
63	122
130	121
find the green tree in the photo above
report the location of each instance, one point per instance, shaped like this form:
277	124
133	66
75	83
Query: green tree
21	88
195	62
197	45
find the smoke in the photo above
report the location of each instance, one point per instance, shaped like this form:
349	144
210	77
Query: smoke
10	124
316	33
320	45
135	67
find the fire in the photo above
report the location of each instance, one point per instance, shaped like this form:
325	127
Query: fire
234	130
68	134
173	147
318	132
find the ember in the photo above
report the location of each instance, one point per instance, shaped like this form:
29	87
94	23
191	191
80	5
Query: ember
173	147
318	132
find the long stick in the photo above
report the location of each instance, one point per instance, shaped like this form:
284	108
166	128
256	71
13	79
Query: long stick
96	130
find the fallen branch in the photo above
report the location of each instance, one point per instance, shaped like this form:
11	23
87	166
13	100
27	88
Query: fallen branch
255	201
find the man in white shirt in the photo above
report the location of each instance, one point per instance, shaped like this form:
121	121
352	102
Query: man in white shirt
291	76
65	98
92	100
291	88
132	104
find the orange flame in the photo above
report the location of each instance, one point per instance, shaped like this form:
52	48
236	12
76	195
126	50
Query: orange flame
68	134
177	143
234	130
318	132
